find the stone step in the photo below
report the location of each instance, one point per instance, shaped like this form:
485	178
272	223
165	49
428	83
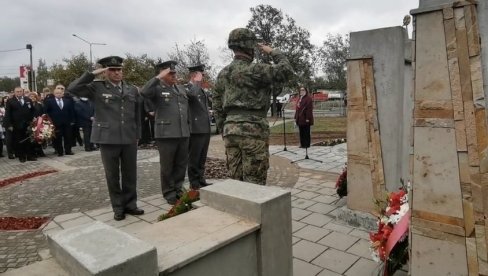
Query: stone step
99	249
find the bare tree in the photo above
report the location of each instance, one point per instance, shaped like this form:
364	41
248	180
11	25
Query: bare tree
194	53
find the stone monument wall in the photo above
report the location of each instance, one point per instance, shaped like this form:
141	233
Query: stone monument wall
379	108
450	175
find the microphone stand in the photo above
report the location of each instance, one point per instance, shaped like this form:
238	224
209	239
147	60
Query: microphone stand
284	131
306	158
306	154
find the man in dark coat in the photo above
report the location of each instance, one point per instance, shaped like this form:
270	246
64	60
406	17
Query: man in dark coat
116	128
19	113
172	128
61	110
147	121
85	113
200	127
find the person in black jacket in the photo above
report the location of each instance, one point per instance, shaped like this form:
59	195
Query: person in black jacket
38	111
85	113
19	113
61	110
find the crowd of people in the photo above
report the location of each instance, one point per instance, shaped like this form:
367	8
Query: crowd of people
69	115
113	113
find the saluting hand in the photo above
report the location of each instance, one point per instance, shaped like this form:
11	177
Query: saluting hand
264	48
99	71
163	73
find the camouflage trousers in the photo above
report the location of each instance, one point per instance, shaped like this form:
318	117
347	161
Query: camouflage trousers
247	158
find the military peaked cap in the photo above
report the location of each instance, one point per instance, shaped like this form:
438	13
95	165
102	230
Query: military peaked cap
197	68
171	64
112	61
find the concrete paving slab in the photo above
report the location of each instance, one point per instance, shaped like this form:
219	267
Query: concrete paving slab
301	268
317	219
311	233
327	272
338	227
361	248
321	208
302	203
335	260
307	195
76	222
307	251
296	225
298	214
338	241
363	267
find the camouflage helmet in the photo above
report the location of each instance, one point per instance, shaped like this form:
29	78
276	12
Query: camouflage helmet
242	38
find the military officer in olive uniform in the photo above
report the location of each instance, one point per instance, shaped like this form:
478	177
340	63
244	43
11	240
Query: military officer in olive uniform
200	127
116	128
171	128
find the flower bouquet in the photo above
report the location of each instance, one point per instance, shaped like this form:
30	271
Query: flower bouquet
41	129
389	245
183	205
341	184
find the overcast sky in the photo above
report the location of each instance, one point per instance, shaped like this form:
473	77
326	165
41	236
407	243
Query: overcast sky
154	26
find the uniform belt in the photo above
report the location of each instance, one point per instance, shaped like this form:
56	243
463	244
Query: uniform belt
259	113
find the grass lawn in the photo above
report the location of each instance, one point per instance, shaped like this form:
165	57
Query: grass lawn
321	124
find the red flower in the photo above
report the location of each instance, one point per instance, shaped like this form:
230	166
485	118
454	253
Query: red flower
395	202
341	178
380	238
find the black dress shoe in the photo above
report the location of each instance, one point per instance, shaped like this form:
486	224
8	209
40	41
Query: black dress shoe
31	159
179	194
205	184
60	154
171	201
22	159
69	153
195	186
119	216
135	212
11	156
1	155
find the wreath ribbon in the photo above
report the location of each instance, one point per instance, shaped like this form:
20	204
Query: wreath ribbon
398	232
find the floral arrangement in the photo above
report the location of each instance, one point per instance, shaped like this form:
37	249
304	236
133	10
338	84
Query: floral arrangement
331	142
389	245
22	223
41	129
183	205
341	184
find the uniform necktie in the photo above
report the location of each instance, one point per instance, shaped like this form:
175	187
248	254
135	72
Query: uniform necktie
60	103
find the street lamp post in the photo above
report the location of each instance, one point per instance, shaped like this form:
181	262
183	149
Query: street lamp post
31	69
89	43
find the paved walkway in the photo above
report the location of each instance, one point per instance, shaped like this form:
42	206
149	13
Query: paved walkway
77	194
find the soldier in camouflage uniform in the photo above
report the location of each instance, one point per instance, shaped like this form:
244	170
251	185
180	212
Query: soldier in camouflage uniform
241	102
